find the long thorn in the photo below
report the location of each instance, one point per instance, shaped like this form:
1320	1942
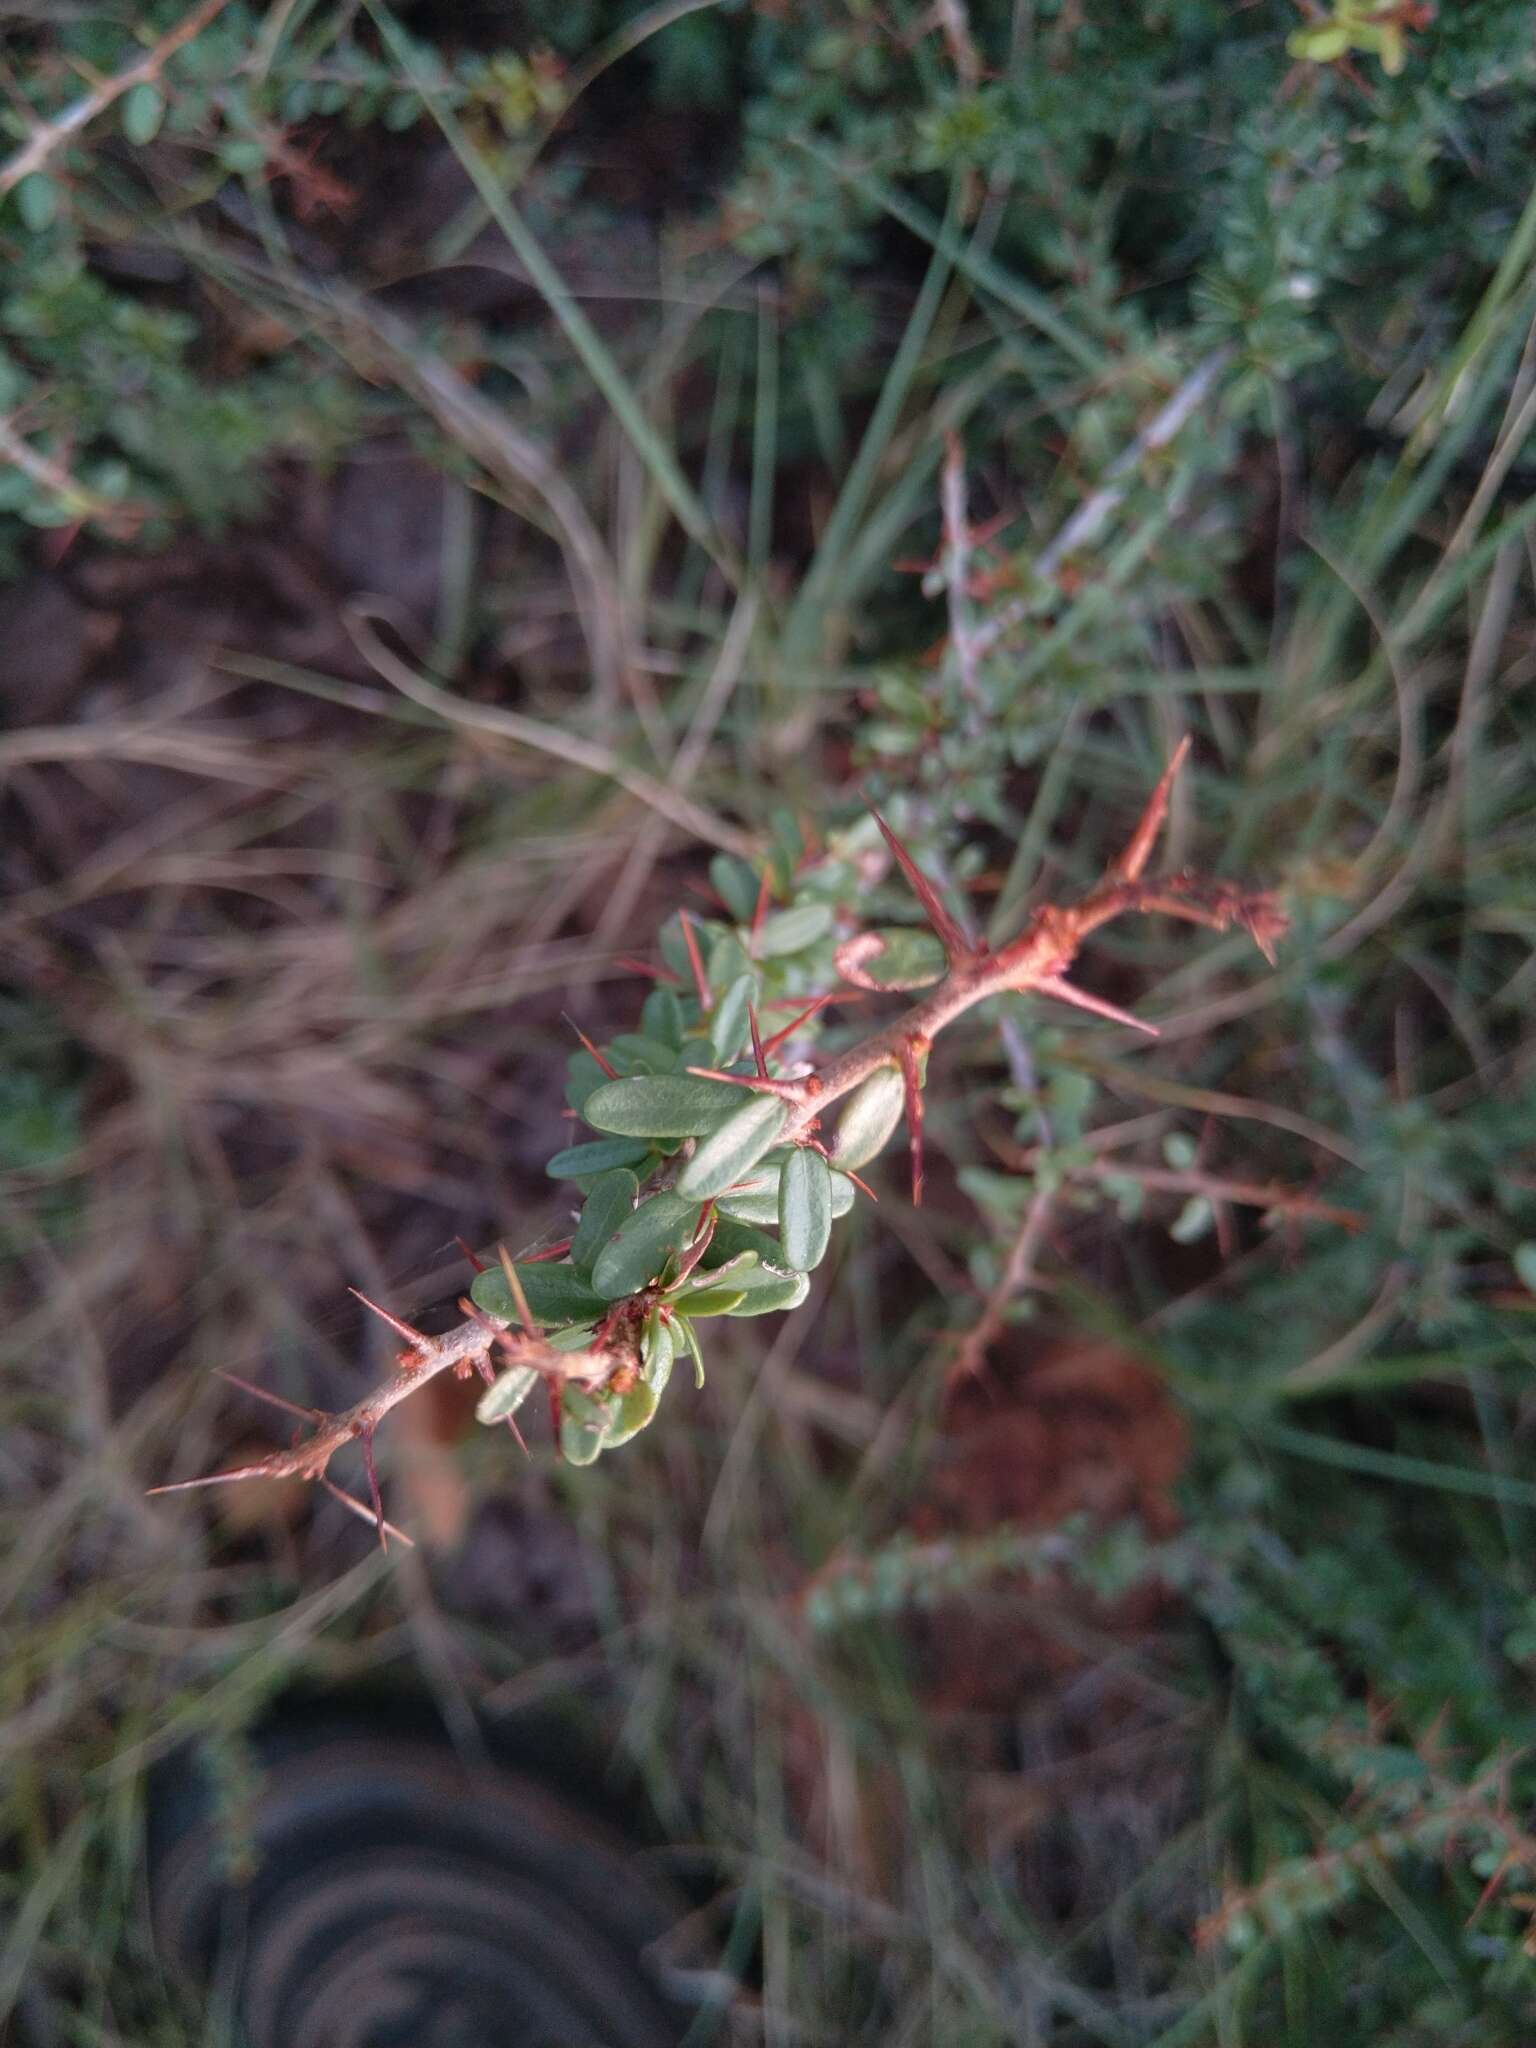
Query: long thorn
557	1250
764	892
211	1479
951	937
515	1287
606	1064
787	1031
793	1090
1068	992
276	1400
914	1102
473	1257
700	978
417	1339
365	1437
1139	847
757	1043
360	1509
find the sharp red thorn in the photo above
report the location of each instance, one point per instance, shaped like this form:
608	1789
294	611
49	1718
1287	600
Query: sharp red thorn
708	1217
789	1029
556	1415
277	1400
1138	849
605	1063
700	978
360	1509
863	1186
418	1339
473	1257
1068	992
914	1104
634	966
791	1089
515	1287
550	1251
764	891
757	1043
211	1479
366	1438
954	941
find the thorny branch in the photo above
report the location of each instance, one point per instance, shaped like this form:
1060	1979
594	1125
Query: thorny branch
52	135
1036	961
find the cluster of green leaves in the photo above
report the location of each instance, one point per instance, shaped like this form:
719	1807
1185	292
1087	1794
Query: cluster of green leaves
690	1207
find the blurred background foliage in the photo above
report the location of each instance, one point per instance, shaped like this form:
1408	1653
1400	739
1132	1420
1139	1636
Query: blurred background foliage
415	421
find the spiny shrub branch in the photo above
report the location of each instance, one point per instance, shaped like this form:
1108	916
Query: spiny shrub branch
703	1151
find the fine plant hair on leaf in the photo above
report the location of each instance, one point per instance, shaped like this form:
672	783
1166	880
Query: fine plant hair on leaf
635	1283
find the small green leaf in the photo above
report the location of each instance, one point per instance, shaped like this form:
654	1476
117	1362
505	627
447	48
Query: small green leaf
771	1292
734	1149
791	931
506	1394
1180	1150
727	960
658	1347
642	1245
633	1053
609	1200
579	1162
142	112
869	1119
1525	1265
661	1016
37	202
690	1337
660	1106
629	1413
732	1239
583	1426
736	886
556	1294
1192	1222
708	1301
728	1023
805	1209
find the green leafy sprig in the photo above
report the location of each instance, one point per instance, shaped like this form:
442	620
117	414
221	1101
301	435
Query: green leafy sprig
715	1172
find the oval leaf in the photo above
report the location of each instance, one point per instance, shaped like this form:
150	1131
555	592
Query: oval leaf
642	1245
576	1162
660	1106
905	958
773	1291
734	1149
709	1301
728	1024
732	1239
611	1199
556	1294
871	1115
661	1016
735	885
506	1394
658	1348
805	1209
629	1413
583	1426
791	931
142	112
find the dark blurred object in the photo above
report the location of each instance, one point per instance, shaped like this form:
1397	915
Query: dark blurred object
403	1898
